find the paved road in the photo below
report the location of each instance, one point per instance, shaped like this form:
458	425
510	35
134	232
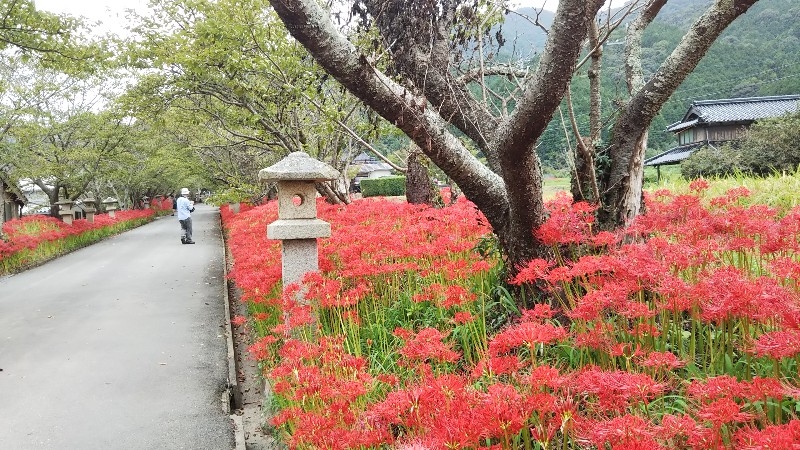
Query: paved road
119	345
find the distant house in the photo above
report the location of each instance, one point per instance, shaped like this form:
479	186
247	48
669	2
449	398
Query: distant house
368	167
714	122
13	199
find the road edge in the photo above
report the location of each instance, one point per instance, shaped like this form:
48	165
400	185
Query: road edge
233	401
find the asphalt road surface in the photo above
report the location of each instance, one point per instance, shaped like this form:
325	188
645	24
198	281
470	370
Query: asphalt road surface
119	345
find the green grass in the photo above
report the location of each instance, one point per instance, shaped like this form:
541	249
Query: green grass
553	185
779	190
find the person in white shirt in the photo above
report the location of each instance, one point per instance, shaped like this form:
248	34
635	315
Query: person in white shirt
185	210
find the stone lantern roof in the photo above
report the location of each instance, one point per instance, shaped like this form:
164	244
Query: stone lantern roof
298	166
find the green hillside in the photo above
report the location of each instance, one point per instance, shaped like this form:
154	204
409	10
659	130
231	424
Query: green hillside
758	55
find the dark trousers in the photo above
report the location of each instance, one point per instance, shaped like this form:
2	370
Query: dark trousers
186	229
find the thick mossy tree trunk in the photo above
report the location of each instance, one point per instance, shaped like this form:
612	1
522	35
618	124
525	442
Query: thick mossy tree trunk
420	188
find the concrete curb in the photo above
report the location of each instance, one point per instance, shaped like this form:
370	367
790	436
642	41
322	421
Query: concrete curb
234	394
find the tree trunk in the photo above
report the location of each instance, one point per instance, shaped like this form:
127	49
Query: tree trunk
621	185
584	182
52	196
420	189
331	196
583	185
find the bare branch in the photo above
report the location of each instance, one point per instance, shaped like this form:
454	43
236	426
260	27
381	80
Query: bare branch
506	70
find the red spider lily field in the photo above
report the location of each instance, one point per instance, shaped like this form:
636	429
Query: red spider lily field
33	240
682	332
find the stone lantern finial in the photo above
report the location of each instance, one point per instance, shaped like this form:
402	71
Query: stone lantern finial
298	226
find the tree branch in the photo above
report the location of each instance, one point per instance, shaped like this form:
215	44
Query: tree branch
311	25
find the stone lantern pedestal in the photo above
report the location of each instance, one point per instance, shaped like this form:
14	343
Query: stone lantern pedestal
65	211
112	205
297	226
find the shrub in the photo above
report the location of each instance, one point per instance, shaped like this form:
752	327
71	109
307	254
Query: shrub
769	146
772	145
709	162
383	187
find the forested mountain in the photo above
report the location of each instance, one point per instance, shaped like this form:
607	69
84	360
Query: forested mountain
759	54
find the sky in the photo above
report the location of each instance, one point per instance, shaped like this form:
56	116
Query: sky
110	12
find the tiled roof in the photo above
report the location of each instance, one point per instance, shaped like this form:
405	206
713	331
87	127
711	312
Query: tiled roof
363	157
372	167
12	187
673	155
678	126
745	109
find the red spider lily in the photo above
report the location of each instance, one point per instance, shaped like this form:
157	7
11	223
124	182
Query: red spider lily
786	268
772	437
335	428
427	345
604	239
539	312
699	186
504	411
662	360
496	365
329	382
442	411
544	377
726	294
722	411
778	344
432	293
568	223
598	337
239	321
645	329
684	260
535	270
457	296
588	265
762	388
261	350
723	386
623	432
35	239
676	429
261	316
463	317
626	350
614	390
525	333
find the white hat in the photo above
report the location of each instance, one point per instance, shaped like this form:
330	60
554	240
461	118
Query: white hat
185	191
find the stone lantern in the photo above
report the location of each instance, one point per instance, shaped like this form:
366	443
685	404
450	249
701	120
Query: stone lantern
297	226
65	211
90	207
112	205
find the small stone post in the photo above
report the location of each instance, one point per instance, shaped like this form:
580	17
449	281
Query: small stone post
298	226
65	211
111	205
90	209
